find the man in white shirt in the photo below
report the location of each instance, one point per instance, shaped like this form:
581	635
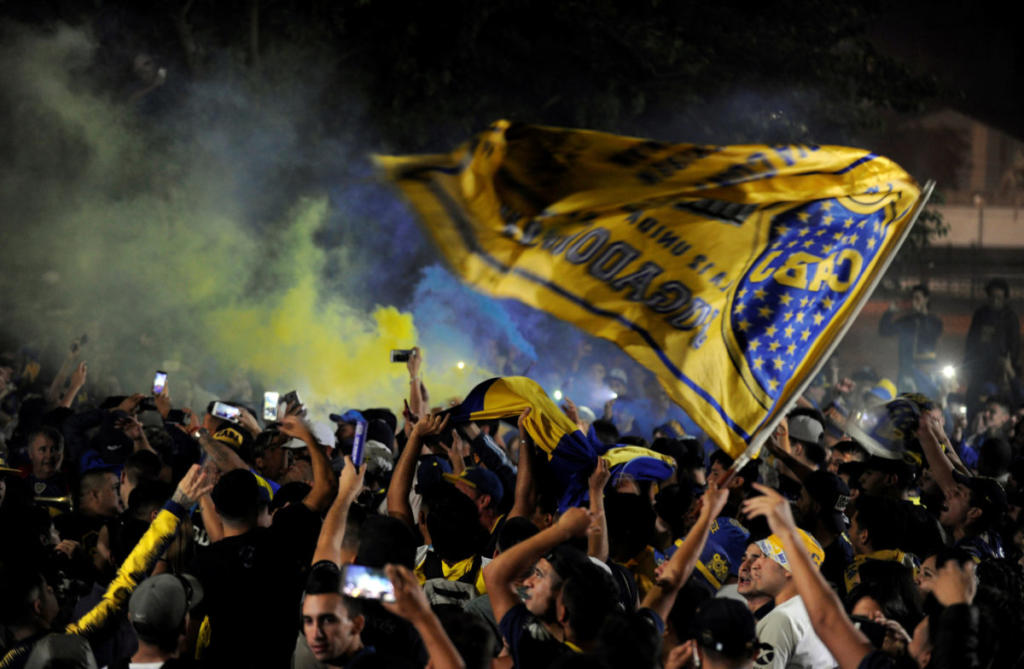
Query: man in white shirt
786	639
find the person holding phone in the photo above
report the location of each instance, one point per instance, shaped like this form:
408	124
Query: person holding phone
332	622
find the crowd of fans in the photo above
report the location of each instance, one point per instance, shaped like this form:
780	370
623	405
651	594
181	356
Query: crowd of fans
877	529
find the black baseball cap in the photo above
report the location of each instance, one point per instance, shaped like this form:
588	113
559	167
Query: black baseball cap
725	626
831	494
987	493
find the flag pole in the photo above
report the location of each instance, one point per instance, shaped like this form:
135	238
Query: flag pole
753	450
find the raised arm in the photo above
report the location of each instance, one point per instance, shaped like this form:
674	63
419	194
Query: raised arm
525	498
411	603
132	428
597	541
847	644
674	573
78	378
322	492
328	545
52	393
401	479
143	557
415	366
929	433
221	454
509	565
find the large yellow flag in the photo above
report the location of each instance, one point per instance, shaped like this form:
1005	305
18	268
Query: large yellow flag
726	270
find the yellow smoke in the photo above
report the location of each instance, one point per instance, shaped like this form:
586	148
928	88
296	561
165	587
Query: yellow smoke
140	233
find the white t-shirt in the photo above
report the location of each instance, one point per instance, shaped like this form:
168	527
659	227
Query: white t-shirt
786	640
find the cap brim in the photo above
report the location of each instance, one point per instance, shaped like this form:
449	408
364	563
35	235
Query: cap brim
197	590
452	478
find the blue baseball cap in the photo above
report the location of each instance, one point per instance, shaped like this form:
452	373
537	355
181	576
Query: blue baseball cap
483	480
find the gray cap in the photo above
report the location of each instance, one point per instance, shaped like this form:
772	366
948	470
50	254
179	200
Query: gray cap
61	650
805	429
160	603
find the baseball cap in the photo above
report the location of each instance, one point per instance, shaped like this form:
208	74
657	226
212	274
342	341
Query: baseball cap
378	457
380	432
884	390
429	473
350	416
230	437
4	468
483	480
987	493
772	548
805	428
725	626
385	416
159	604
831	494
61	650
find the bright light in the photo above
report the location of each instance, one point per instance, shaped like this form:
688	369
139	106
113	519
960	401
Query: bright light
460	364
615	395
949	371
557	395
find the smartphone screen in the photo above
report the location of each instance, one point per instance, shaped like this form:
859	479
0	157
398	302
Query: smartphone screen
358	442
367	583
270	399
226	411
159	381
400	354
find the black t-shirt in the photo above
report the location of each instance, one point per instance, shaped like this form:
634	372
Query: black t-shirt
838	555
252	586
529	642
85	530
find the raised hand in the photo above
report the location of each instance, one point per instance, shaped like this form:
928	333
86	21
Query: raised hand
773	507
295	427
599	477
131	427
955	583
350	481
432	424
415	362
163	401
130	404
410	600
577	522
79	375
196	483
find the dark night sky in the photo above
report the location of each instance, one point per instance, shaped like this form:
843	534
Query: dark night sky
975	49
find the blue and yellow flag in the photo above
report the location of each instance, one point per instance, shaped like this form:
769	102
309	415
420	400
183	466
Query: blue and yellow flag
726	270
571	455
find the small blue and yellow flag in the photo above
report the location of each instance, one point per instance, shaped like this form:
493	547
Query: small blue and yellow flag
726	270
571	455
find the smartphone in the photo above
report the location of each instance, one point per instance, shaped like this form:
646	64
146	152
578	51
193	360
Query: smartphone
401	354
291	398
366	583
226	411
270	408
159	381
358	442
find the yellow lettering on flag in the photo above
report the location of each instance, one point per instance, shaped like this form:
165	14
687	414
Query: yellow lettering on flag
725	270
